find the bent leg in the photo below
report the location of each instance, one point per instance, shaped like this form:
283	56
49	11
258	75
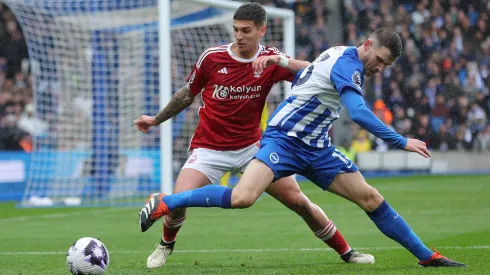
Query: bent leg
197	172
188	179
287	191
254	181
256	178
353	187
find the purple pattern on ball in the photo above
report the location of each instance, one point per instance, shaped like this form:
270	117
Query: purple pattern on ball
93	259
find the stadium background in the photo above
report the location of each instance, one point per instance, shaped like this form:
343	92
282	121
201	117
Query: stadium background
437	91
447	211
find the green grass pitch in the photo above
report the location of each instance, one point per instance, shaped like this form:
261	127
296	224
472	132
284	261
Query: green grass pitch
449	213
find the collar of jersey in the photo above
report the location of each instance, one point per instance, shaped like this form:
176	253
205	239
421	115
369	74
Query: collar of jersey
239	59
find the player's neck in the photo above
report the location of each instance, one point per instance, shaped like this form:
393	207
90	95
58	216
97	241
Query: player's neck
244	54
360	52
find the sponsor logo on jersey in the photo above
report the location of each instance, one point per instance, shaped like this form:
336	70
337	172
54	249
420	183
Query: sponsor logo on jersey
232	92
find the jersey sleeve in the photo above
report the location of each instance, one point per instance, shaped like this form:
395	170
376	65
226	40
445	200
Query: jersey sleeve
347	72
281	73
361	115
199	76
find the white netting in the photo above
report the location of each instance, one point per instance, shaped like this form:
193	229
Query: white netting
95	69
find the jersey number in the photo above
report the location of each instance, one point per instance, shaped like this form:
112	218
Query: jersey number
306	74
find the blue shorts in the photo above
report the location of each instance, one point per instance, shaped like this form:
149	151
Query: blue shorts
287	156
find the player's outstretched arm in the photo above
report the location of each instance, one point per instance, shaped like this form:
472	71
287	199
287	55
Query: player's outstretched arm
361	115
182	99
291	64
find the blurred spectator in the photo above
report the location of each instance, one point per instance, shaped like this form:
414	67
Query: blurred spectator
444	67
484	139
15	86
361	142
30	123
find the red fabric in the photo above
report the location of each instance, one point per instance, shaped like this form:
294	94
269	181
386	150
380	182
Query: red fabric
233	98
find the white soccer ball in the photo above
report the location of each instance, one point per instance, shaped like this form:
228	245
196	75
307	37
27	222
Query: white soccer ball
87	256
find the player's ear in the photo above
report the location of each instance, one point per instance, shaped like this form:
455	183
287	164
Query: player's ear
367	45
263	29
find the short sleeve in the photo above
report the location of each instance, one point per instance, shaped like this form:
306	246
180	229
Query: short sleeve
347	72
281	73
199	76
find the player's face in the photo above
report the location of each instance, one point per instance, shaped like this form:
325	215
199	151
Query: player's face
376	58
247	35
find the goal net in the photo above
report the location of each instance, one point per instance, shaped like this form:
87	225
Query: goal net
95	69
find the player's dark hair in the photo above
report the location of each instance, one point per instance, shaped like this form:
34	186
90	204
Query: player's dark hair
389	38
251	12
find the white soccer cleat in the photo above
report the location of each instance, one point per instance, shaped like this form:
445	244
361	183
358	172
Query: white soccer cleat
355	257
158	258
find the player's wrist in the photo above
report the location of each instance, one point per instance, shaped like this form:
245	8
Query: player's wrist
155	122
283	61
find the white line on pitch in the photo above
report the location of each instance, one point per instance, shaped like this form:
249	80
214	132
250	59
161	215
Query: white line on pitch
243	250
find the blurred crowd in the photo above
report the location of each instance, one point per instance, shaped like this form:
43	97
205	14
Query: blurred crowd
17	119
438	89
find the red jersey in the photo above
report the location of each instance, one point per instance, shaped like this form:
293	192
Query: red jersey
233	97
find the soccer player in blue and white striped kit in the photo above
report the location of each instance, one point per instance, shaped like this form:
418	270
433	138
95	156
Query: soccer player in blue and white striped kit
296	142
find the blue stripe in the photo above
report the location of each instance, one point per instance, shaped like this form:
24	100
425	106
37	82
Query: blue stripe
294	110
314	124
61	8
301	114
314	142
79	7
196	16
282	105
296	77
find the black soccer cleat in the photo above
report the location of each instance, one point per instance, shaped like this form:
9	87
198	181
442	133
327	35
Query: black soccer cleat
437	260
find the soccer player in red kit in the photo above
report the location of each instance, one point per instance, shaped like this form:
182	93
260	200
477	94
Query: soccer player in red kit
234	82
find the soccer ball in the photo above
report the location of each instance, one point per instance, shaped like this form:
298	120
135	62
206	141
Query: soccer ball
87	256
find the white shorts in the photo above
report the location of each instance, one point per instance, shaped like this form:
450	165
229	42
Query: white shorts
214	164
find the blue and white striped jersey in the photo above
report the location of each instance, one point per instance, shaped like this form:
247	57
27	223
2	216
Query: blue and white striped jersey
315	101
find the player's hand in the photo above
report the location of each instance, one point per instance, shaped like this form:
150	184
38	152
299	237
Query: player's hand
417	146
262	62
144	123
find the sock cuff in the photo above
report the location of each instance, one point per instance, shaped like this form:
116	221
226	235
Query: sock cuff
226	199
327	232
380	210
167	244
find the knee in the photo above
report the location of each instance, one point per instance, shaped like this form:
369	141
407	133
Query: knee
242	200
372	200
300	204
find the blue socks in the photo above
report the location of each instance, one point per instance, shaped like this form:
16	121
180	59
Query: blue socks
207	196
395	227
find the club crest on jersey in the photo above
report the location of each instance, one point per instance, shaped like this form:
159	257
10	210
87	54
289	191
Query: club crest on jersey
356	79
257	74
